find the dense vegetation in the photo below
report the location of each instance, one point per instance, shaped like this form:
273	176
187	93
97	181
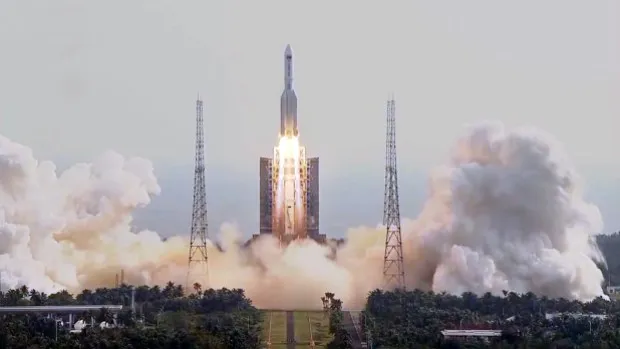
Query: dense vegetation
333	307
164	318
415	320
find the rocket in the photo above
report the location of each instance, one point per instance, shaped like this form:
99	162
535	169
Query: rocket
289	180
288	101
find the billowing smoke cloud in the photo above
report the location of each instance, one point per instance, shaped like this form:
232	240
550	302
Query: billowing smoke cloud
505	214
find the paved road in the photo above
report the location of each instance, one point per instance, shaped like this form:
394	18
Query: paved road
350	325
290	330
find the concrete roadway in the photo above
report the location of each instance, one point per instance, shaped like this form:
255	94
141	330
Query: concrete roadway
290	330
351	324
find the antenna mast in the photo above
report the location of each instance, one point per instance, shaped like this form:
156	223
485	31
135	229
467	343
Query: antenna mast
198	268
393	270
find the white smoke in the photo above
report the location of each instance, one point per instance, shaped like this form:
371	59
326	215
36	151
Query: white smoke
505	214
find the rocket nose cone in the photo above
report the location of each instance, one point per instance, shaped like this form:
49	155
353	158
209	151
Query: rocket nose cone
288	51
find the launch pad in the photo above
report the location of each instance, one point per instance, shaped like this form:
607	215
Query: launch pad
289	181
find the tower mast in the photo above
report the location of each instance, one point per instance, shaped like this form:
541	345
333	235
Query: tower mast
393	270
198	268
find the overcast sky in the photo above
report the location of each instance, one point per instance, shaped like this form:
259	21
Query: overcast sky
79	77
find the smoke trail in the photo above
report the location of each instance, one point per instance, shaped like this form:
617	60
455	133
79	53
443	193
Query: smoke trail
506	213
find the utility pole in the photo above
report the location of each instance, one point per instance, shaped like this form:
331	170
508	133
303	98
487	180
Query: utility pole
393	269
198	268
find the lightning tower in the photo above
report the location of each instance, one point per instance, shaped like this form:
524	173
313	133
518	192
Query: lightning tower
393	271
198	269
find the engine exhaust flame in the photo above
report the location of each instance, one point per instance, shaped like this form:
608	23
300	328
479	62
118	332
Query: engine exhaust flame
288	204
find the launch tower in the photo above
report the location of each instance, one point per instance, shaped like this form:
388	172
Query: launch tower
198	267
289	181
393	269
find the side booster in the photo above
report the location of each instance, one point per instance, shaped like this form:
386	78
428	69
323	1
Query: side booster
288	101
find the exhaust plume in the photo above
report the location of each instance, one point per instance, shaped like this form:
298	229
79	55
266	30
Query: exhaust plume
506	213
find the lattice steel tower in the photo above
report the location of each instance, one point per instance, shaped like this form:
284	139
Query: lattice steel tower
198	268
393	270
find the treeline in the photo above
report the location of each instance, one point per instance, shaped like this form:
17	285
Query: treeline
609	246
415	320
333	307
164	318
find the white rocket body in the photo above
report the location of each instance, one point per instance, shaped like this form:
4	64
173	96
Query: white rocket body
288	101
290	161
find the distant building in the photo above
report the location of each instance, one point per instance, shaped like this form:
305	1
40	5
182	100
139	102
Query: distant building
57	312
550	316
471	333
613	290
58	309
468	335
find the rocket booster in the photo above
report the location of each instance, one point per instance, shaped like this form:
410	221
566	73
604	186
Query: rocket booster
288	101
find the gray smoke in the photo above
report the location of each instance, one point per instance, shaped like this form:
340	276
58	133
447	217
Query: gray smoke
507	213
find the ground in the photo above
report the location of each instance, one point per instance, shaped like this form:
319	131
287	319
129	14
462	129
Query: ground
320	329
274	329
305	323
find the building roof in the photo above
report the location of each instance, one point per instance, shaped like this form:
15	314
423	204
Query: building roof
471	333
58	309
550	316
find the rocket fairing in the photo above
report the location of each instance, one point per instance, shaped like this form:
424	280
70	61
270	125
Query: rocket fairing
288	101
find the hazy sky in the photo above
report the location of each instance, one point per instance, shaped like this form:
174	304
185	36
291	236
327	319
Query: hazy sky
79	77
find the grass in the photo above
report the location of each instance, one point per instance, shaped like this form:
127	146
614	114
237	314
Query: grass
318	322
320	329
278	329
302	332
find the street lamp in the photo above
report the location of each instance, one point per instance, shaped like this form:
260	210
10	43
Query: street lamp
269	336
57	321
